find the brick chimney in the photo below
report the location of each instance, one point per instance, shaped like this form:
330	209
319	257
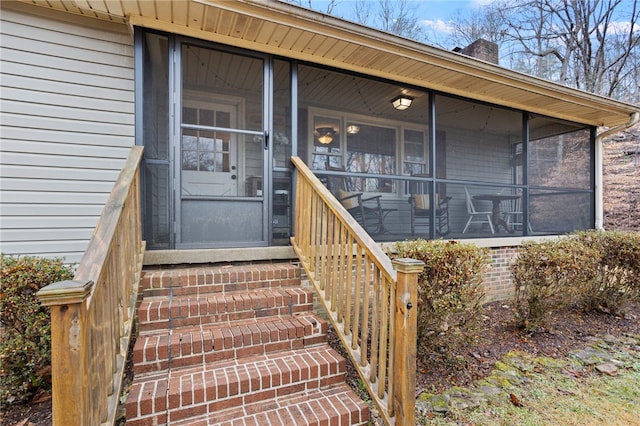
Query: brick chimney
481	49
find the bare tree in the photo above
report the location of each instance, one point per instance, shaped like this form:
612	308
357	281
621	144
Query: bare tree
363	11
469	26
399	17
329	9
588	44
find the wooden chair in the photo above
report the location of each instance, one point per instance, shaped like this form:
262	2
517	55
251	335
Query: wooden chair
421	211
476	216
514	217
367	211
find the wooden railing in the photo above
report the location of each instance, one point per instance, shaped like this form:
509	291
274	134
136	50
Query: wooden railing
371	301
92	315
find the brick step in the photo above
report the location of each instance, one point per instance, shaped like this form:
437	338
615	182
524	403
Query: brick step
334	405
190	392
227	341
163	313
218	279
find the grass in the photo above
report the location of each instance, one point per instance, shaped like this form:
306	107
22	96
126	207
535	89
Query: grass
560	396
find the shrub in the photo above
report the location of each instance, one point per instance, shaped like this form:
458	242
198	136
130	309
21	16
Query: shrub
549	275
450	290
25	348
616	281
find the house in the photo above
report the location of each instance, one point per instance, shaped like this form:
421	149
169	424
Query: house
220	94
241	107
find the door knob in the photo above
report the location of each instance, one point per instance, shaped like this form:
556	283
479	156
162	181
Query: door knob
233	177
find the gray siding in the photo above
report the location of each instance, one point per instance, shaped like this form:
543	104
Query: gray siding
67	117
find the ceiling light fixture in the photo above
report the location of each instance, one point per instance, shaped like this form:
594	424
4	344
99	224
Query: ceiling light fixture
353	129
325	135
401	102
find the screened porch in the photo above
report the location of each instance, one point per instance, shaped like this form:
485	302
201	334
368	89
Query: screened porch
437	166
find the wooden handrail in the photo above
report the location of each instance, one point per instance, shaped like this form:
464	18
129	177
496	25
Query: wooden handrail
371	301
92	315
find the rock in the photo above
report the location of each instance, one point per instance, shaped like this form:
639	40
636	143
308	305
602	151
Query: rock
440	404
488	390
590	356
607	368
520	361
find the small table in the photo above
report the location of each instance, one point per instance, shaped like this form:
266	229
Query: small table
496	199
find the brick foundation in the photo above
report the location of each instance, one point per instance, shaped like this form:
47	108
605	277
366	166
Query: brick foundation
498	282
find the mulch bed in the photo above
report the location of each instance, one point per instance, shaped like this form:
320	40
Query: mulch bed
566	330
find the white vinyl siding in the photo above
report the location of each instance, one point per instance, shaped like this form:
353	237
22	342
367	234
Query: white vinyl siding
67	115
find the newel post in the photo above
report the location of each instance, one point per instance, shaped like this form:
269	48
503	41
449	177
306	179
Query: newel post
406	340
68	350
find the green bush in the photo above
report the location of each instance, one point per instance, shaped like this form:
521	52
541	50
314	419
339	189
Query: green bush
549	275
450	290
25	347
616	281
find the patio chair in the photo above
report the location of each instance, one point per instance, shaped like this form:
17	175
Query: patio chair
421	212
476	216
514	217
367	211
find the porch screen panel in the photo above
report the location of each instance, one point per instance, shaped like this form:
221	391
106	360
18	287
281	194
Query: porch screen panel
281	196
156	199
560	211
560	163
559	154
480	141
372	150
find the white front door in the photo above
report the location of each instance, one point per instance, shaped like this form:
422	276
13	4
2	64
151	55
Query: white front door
209	157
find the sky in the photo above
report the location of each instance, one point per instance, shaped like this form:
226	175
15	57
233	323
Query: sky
428	10
434	14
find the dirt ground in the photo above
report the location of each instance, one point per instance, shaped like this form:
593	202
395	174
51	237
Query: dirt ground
566	330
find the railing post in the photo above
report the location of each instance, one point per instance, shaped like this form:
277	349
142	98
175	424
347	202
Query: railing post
405	340
68	350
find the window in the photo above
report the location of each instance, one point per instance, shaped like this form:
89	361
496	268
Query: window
415	158
371	150
204	150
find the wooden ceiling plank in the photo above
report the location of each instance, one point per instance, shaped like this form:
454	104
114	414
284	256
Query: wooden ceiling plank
180	13
196	15
336	49
226	21
314	44
265	32
147	8
114	7
252	29
301	42
291	38
164	11
279	34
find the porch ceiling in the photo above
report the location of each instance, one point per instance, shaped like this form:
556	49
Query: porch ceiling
291	31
